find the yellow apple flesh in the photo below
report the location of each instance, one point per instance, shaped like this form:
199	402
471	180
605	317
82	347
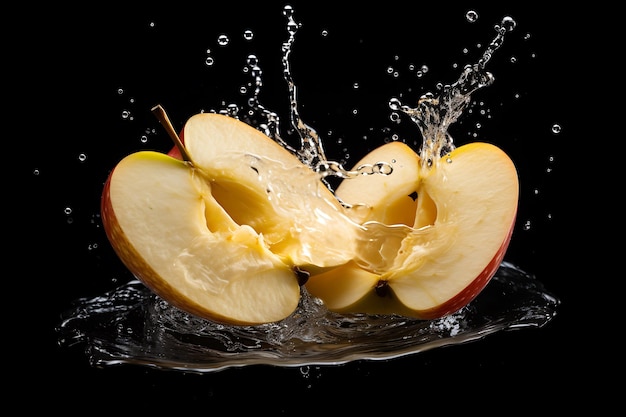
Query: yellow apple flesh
169	231
462	210
229	235
261	184
388	199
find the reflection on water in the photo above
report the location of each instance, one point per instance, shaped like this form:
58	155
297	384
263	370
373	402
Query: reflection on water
131	325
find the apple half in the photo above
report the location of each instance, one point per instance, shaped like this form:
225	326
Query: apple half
230	234
433	237
261	184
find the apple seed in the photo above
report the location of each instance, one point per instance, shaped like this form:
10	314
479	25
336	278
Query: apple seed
382	288
303	276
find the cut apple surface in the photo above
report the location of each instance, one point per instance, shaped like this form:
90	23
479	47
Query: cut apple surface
231	231
439	256
388	199
229	235
172	234
261	184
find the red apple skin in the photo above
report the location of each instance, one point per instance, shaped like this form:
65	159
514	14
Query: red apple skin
106	212
175	153
471	291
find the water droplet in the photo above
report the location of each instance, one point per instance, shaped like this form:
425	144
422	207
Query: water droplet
292	27
556	128
125	114
248	35
513	60
144	139
35	172
395	104
232	110
471	16
252	60
82	157
67	210
324	32
288	11
209	61
383	168
526	225
223	40
508	23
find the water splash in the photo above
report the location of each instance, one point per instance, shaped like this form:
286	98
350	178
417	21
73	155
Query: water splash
435	113
132	325
311	151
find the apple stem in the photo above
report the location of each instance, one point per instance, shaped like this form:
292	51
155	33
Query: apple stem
160	114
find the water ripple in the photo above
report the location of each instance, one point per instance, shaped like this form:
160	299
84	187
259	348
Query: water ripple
131	325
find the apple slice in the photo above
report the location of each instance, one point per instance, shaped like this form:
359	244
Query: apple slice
261	184
388	199
167	228
466	205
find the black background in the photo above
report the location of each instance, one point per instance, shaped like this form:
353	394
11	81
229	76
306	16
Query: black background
70	65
